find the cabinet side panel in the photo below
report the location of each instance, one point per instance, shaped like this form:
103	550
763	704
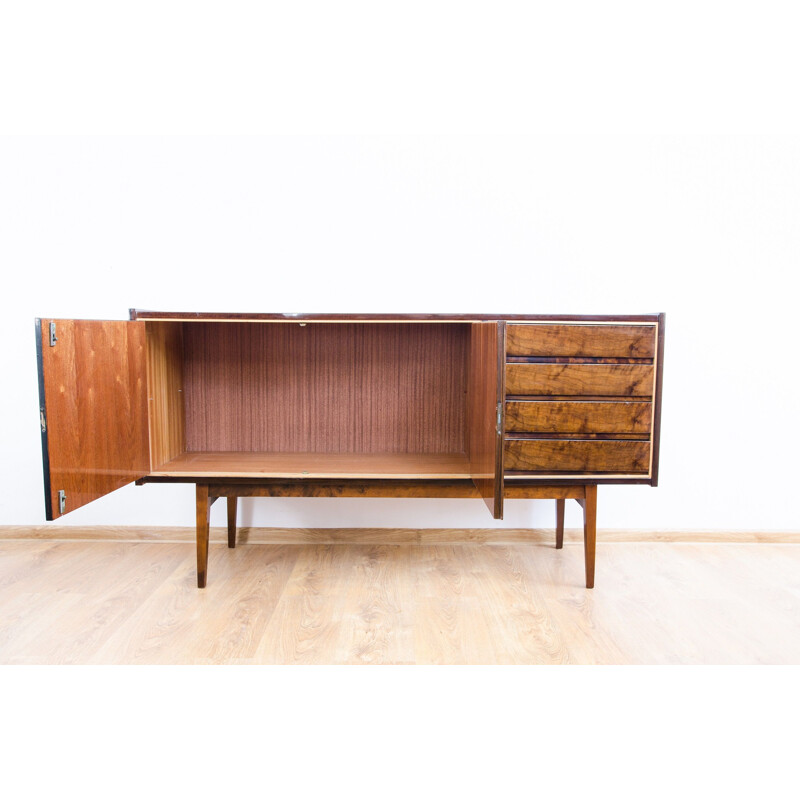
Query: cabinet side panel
482	410
656	434
96	399
165	391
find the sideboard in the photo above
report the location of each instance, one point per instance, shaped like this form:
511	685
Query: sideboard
350	405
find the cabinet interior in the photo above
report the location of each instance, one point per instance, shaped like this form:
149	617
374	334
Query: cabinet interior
287	399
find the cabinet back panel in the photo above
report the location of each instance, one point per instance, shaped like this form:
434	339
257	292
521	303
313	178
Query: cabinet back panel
325	388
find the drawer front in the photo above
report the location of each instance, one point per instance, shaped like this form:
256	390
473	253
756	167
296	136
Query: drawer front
606	380
577	455
590	341
575	416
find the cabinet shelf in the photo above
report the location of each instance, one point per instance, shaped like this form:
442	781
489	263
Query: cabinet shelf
208	464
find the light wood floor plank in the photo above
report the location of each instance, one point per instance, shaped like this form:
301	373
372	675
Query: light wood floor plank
510	593
379	627
572	607
219	624
306	626
452	624
86	601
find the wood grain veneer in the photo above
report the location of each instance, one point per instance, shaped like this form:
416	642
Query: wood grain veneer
631	380
558	455
325	388
165	391
611	341
543	416
94	381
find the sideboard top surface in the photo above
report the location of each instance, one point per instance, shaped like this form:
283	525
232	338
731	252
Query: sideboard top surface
136	313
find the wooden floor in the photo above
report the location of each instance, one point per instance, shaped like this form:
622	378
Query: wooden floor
463	601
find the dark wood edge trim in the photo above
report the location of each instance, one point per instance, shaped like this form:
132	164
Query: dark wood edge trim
657	410
48	501
211	316
533	436
601	360
579	398
501	404
515	479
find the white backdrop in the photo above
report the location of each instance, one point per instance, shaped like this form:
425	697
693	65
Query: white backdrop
705	229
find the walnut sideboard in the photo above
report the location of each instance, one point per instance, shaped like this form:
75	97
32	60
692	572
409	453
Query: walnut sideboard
351	405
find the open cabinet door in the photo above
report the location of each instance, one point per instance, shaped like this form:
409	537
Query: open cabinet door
485	410
93	409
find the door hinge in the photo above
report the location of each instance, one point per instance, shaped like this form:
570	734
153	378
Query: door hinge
42	420
53	337
62	501
500	418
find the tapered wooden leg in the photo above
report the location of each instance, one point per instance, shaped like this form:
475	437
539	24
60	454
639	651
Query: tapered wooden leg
589	532
560	523
232	521
203	507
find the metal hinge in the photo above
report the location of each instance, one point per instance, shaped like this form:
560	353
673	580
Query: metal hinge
500	418
42	420
53	337
62	501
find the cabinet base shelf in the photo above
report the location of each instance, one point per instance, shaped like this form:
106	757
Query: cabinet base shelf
364	466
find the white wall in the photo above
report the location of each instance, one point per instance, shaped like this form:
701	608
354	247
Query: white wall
705	229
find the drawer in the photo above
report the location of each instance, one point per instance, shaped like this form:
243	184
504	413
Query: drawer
606	380
577	455
591	341
576	416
